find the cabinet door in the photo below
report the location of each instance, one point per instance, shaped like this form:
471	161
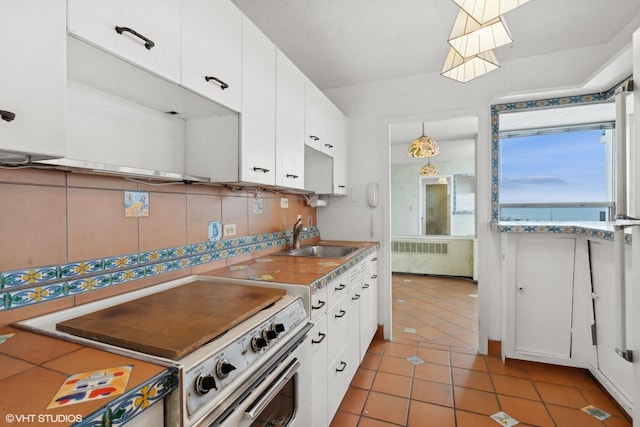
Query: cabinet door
144	32
543	296
340	155
338	327
211	50
355	308
319	365
258	117
33	77
289	124
314	113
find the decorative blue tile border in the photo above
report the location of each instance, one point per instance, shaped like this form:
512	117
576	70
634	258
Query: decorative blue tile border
39	284
584	231
131	404
496	109
324	280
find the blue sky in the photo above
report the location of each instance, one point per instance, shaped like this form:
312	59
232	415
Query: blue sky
563	167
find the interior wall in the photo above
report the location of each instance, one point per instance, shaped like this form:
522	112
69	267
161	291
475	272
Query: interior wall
405	198
53	218
373	107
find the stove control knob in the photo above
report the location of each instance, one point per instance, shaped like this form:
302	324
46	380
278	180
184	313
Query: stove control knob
269	334
205	382
223	368
278	327
258	343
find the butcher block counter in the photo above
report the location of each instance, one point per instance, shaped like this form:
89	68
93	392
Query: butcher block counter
33	368
296	270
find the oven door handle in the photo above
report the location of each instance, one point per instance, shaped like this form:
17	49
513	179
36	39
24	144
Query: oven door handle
261	404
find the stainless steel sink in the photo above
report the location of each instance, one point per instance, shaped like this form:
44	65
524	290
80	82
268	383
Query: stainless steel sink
320	251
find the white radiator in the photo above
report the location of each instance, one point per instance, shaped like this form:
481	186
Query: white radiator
432	255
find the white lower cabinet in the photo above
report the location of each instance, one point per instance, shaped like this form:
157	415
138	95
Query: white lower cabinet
341	336
319	377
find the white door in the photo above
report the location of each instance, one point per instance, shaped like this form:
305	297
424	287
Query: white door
615	368
144	32
211	50
543	296
258	117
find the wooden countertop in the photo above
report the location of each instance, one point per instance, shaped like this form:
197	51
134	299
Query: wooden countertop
290	269
34	366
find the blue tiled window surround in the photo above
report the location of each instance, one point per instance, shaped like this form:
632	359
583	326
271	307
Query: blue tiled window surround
20	288
496	109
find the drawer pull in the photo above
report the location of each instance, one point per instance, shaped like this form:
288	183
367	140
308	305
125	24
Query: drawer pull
313	137
290	175
375	276
355	297
343	366
374	259
222	84
319	306
147	43
321	335
342	186
263	170
340	314
328	145
365	286
7	116
340	287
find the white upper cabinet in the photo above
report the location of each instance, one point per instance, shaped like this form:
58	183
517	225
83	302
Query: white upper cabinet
258	118
33	78
290	84
144	32
318	120
211	50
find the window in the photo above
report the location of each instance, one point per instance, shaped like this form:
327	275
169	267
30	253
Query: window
558	173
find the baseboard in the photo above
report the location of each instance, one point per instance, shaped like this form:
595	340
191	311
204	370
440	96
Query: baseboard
495	348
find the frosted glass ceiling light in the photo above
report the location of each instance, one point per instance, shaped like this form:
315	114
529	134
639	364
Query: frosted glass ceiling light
424	146
484	11
464	69
470	38
428	169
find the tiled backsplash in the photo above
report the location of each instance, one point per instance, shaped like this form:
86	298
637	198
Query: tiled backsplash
66	234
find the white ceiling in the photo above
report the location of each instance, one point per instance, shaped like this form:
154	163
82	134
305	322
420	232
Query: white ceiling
345	42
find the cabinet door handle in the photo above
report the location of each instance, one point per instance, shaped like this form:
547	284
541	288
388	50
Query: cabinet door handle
340	287
355	297
365	286
318	341
263	170
319	306
343	366
341	314
315	138
374	259
222	84
375	276
292	176
7	116
328	145
342	186
147	43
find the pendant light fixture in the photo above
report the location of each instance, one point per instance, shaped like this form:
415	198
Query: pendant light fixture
428	169
469	37
424	146
464	69
484	11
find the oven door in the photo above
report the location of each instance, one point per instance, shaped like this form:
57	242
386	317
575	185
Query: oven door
278	398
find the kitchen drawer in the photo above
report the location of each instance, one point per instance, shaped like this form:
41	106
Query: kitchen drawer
338	327
337	289
339	379
318	304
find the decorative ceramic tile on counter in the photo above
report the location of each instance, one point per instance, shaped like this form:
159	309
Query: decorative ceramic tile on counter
594	229
33	367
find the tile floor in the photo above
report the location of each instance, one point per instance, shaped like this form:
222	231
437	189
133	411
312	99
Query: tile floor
455	386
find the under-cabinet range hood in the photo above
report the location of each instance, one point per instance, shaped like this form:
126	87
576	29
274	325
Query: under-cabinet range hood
82	166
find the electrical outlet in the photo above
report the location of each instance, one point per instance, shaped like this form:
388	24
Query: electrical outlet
298	217
229	230
284	202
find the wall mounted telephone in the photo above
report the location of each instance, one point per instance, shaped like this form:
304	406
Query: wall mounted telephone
372	194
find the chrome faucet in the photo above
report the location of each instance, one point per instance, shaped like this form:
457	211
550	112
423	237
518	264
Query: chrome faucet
297	228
